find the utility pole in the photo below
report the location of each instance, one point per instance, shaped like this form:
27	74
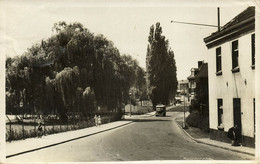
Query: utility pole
201	24
184	120
218	20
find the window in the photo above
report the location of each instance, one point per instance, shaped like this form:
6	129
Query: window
193	85
218	61
235	67
192	73
220	114
253	50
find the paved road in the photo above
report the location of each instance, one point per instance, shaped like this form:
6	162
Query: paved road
150	138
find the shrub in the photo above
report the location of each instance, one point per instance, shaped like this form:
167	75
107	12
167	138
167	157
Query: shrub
196	120
192	119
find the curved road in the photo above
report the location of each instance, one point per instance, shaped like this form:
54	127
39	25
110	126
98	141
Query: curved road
148	138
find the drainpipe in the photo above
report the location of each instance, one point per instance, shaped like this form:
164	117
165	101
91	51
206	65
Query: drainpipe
218	20
257	72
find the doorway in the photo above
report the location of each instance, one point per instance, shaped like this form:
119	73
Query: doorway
237	113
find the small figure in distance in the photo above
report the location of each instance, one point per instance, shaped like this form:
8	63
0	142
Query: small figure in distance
96	120
40	130
99	120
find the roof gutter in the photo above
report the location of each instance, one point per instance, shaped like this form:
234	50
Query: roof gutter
226	31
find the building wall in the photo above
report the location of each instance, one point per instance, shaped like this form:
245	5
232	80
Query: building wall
183	84
232	85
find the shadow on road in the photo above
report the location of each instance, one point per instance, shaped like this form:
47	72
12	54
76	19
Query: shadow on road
145	120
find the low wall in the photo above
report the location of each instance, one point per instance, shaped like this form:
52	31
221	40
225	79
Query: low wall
221	135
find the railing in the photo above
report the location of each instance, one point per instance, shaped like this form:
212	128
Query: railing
26	126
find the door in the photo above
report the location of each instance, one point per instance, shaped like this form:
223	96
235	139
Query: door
237	113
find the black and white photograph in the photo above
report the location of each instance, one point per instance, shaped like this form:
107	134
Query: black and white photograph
127	81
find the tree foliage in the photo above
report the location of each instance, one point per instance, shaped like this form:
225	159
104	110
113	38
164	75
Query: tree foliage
72	71
161	67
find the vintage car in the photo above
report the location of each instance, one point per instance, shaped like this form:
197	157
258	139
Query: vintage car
160	110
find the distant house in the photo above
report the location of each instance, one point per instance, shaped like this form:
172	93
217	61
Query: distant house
182	89
192	82
198	87
183	85
231	73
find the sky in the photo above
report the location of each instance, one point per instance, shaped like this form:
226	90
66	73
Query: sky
126	23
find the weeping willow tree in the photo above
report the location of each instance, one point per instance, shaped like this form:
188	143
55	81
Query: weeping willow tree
72	71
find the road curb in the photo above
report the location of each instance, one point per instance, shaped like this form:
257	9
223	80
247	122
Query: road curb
199	141
184	130
252	154
69	140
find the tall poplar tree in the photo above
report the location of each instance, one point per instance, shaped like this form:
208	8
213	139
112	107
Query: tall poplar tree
161	68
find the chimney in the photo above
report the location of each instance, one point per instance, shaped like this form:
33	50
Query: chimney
200	63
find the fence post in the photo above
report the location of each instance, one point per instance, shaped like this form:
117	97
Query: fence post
44	125
67	121
60	121
35	125
73	120
52	124
22	126
10	137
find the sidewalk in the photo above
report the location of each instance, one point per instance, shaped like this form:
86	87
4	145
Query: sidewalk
201	137
33	144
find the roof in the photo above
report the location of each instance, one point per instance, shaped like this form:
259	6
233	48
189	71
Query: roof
246	14
203	72
241	24
192	77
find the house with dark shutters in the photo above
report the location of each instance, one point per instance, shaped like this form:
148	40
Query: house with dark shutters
201	93
182	91
192	83
231	71
198	86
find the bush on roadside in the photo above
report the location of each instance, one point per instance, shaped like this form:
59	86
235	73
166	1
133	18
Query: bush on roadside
196	120
204	124
193	119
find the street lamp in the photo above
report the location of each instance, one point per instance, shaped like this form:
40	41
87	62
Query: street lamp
184	124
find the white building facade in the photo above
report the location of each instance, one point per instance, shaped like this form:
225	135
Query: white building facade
231	72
